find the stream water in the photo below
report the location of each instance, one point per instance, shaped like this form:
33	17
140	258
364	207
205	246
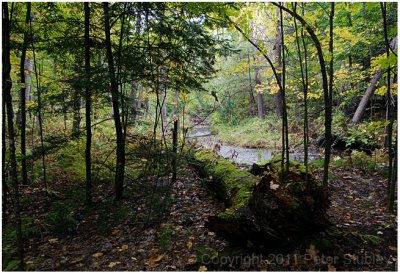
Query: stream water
203	136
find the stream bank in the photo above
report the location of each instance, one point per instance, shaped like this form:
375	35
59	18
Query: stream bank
203	135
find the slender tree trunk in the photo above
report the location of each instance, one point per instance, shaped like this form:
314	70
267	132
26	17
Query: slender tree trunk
120	169
174	150
252	102
76	105
260	99
285	128
7	85
23	97
140	98
392	189
164	108
88	106
306	139
328	106
389	104
39	112
133	101
327	98
3	161
278	62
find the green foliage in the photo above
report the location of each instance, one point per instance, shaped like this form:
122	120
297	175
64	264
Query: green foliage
253	132
366	133
61	217
9	238
165	237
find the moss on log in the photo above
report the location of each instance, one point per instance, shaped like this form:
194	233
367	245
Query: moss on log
260	209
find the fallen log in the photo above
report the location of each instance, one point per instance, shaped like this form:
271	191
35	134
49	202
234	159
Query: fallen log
261	210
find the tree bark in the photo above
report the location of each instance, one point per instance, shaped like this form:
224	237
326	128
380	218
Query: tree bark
140	98
76	104
260	99
257	203
120	168
88	106
7	85
23	97
252	102
133	101
278	61
164	109
327	98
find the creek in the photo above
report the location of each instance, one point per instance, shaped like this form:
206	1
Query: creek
202	135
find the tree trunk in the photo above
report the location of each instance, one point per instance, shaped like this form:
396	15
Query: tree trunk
260	208
7	85
164	109
133	101
174	150
140	98
392	188
88	106
285	128
4	177
260	99
327	98
76	105
23	98
252	102
120	168
367	97
278	62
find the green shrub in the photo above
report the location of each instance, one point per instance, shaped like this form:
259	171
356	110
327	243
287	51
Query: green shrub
61	218
165	237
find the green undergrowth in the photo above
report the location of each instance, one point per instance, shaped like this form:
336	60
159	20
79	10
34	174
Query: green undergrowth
252	132
377	162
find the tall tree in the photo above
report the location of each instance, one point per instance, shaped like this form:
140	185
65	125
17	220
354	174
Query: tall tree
120	165
88	106
278	62
7	85
327	98
23	95
304	82
260	99
389	102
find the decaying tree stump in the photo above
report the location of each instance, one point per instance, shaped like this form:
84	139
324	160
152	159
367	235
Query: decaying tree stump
260	209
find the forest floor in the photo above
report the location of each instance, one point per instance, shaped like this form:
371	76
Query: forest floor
161	227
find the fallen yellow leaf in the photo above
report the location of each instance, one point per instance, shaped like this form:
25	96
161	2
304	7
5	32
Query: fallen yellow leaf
98	254
202	268
53	241
154	260
189	245
112	264
123	247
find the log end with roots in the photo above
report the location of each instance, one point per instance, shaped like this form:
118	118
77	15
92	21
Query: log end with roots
261	210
